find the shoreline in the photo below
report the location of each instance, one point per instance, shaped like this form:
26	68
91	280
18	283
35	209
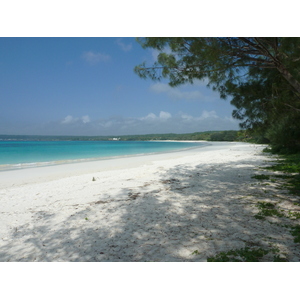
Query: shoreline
39	173
160	207
29	165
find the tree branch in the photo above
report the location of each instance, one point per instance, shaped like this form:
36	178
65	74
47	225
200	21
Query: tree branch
297	109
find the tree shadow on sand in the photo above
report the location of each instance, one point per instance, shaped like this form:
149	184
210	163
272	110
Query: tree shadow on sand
189	215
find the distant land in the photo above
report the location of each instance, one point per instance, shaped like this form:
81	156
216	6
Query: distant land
227	135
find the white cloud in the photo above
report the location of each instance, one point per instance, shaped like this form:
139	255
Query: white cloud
123	46
94	58
67	120
187	118
162	122
70	119
149	117
164	115
85	119
205	115
208	114
181	123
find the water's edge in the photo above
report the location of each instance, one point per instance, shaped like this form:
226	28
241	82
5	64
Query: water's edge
18	166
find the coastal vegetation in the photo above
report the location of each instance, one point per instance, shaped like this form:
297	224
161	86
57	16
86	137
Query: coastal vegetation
260	75
289	165
274	211
228	135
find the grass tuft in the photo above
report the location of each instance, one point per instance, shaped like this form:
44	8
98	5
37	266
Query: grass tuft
245	255
289	163
261	177
295	231
267	209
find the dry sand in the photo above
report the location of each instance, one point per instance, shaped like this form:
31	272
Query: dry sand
160	207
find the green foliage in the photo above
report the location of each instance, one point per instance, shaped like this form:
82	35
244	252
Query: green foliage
268	106
284	134
295	231
289	163
294	185
261	177
222	60
261	75
224	136
294	215
246	254
267	209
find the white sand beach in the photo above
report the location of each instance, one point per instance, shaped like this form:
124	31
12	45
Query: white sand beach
178	206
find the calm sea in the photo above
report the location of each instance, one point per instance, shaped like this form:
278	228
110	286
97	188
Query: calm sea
23	154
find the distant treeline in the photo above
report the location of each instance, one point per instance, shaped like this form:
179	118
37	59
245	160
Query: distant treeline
228	135
231	135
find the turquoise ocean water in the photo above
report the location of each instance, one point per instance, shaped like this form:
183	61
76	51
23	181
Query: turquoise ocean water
23	154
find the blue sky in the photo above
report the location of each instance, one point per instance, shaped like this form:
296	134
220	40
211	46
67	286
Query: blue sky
86	86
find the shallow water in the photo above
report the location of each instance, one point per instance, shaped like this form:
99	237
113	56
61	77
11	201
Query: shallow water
23	154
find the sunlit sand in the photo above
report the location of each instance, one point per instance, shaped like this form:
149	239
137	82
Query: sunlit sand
179	206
